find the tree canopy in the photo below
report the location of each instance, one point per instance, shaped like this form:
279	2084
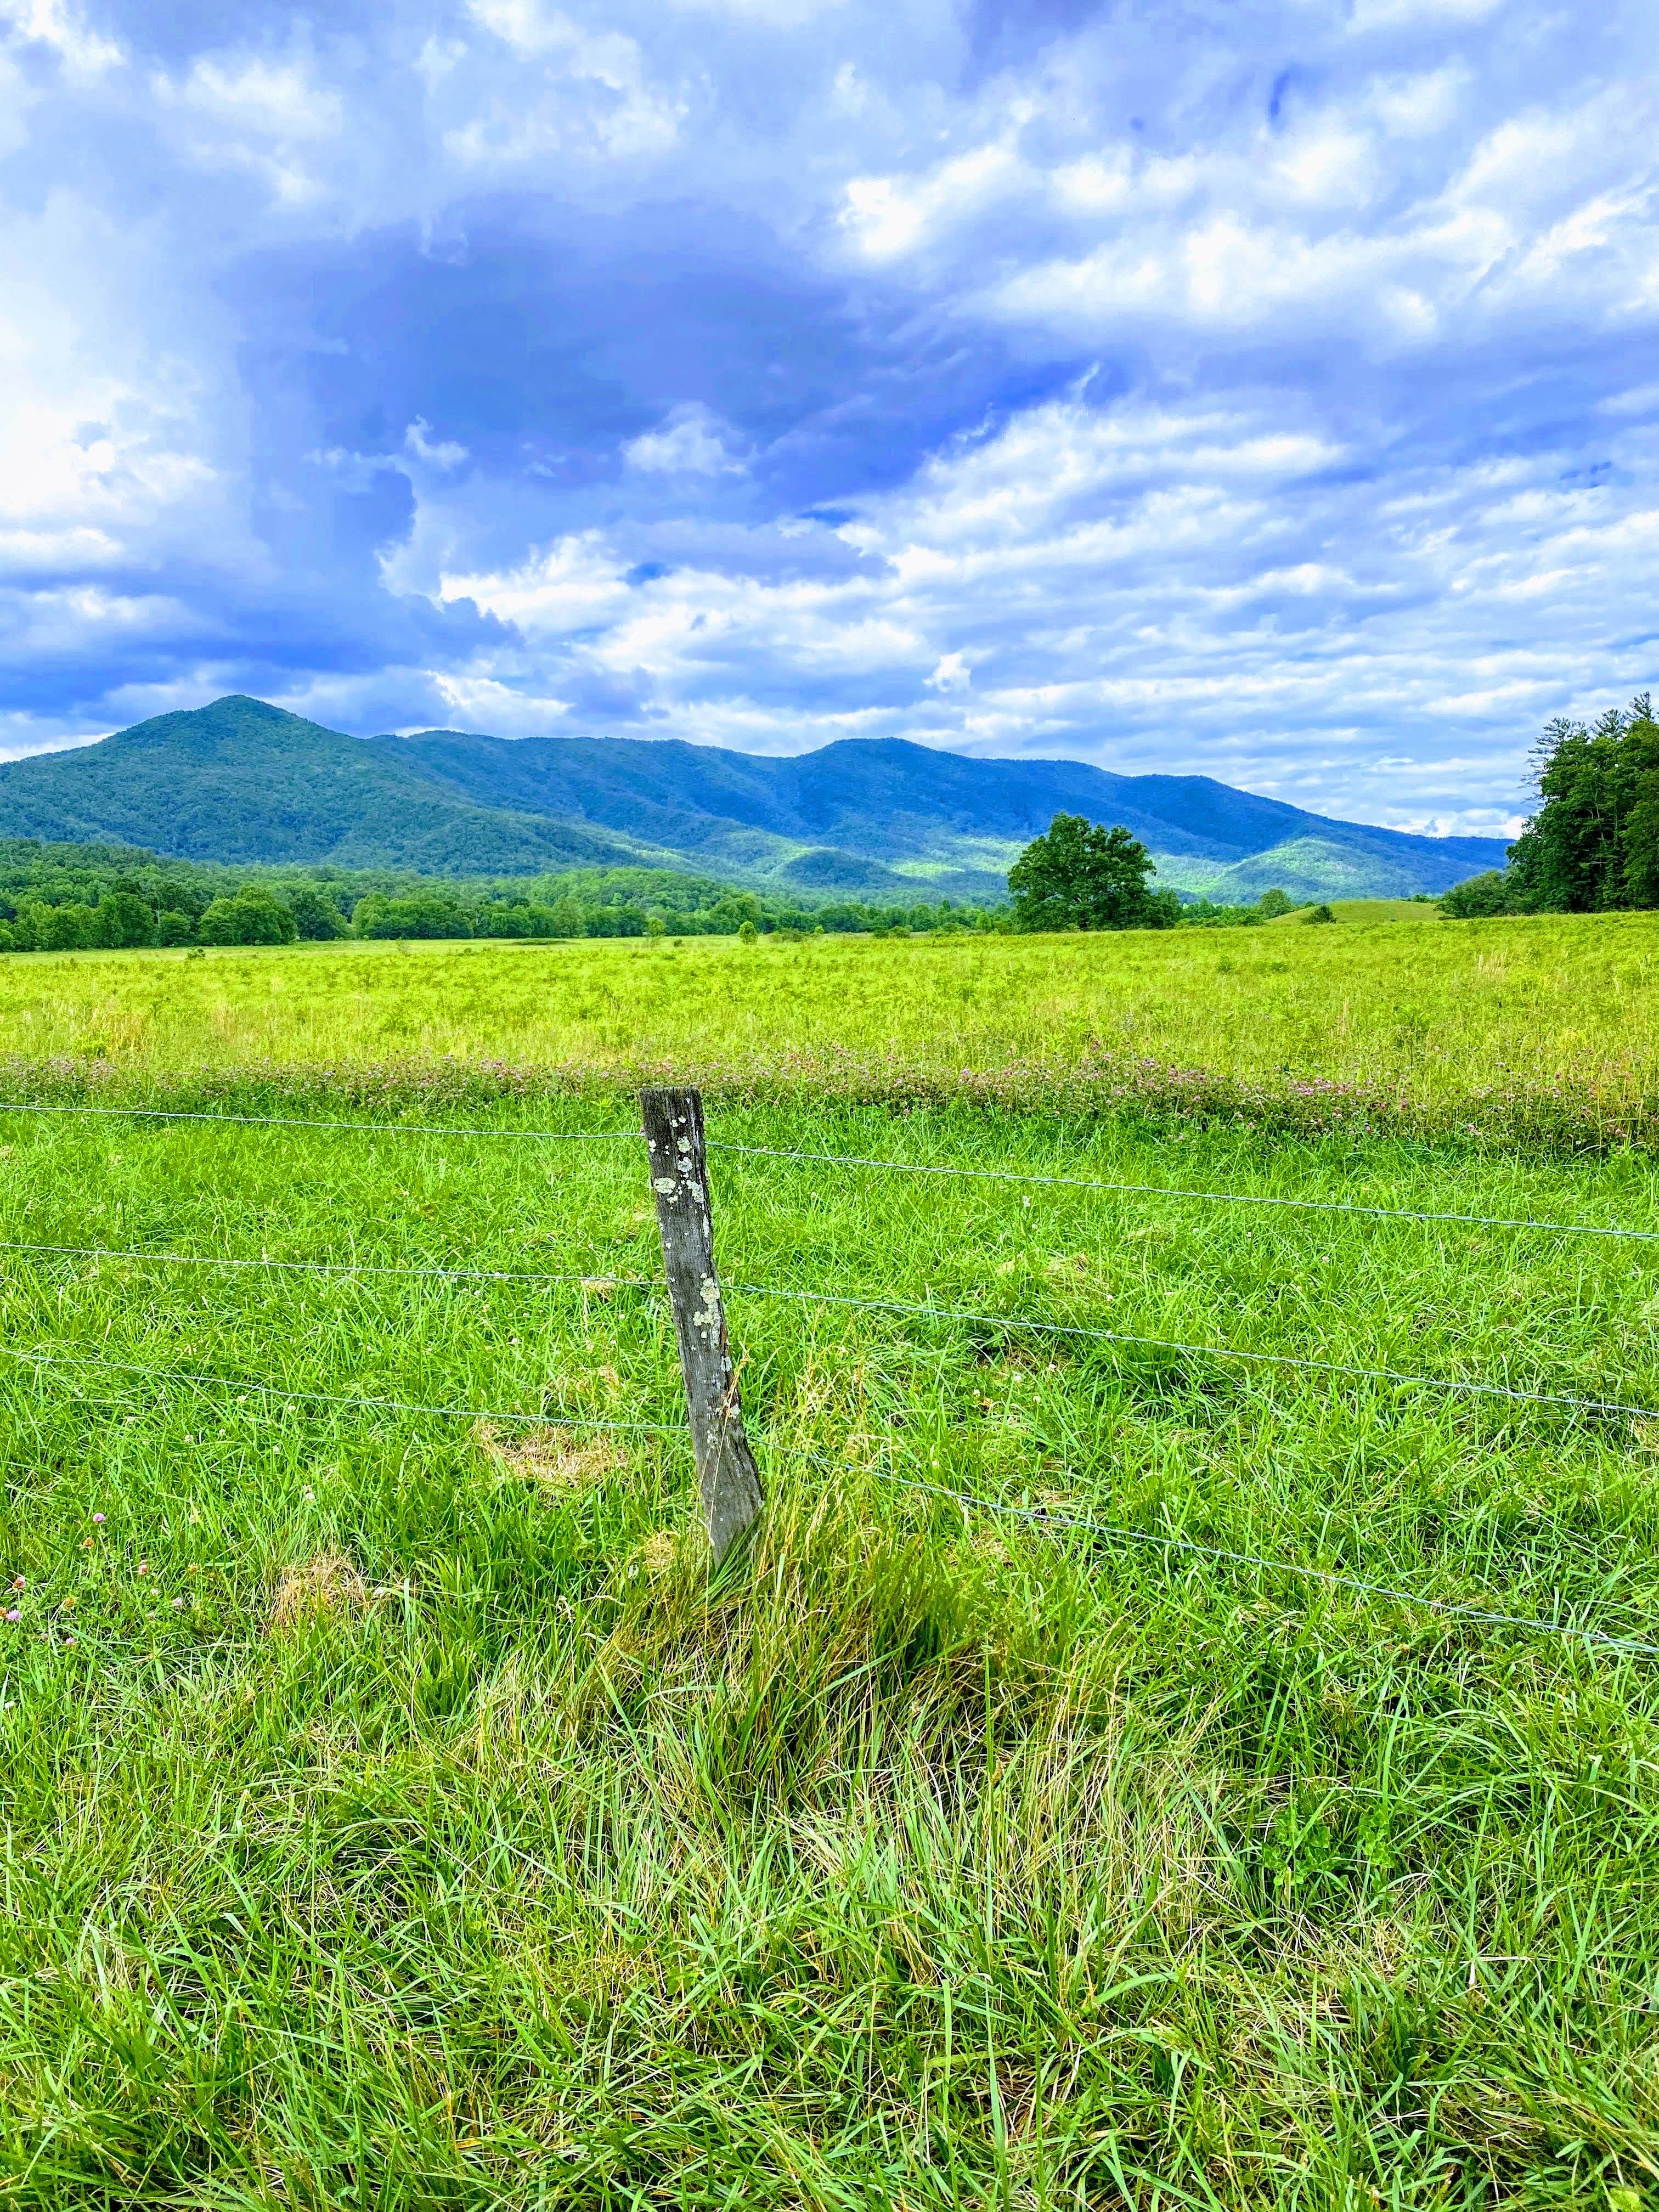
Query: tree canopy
1078	875
64	897
1593	846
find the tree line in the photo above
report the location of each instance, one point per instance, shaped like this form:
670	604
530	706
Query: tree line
1593	846
59	899
65	898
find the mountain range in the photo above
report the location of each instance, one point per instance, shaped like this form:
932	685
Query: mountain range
243	781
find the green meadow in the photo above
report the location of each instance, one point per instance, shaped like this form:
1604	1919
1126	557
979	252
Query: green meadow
1118	1774
1516	1027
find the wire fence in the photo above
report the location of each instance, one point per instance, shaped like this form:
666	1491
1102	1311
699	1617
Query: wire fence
1463	1386
1616	1232
168	1377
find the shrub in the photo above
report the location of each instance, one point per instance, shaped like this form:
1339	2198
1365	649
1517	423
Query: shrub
68	928
1480	897
1320	912
426	914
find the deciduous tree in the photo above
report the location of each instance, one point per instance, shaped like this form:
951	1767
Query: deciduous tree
1078	875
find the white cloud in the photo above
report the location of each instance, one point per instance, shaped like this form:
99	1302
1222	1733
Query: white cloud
251	93
591	91
82	50
1171	392
439	453
1429	14
687	442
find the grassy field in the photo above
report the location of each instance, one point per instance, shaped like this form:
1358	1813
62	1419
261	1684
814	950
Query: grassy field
395	1817
1548	1023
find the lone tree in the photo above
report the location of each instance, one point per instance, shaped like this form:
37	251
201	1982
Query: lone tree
1079	876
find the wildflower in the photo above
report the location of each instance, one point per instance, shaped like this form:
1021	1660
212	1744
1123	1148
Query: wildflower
86	1543
310	1496
143	1566
68	1605
97	1520
12	1613
17	1582
70	1639
177	1605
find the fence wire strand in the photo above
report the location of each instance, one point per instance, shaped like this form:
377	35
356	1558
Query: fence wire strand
363	1129
1205	1197
1204	1350
1444	1608
1616	1233
31	1357
599	1284
596	1284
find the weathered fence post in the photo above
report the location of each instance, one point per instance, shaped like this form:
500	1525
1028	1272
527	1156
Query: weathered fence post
679	1180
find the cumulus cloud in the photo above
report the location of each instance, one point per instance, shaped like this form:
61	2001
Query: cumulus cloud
687	442
1266	393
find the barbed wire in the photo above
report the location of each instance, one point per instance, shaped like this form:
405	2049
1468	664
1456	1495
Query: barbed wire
1521	1222
363	1128
1203	1351
597	1283
600	1284
33	1356
1167	1190
1445	1608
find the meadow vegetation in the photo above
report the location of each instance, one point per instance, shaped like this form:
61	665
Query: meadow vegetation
1537	1028
395	1814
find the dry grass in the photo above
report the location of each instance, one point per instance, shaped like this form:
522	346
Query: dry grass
553	1459
326	1588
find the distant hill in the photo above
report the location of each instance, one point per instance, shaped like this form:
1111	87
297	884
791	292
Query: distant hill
241	781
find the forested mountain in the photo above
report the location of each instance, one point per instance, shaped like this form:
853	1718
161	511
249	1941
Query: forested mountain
241	781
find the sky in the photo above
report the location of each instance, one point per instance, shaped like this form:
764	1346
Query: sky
1269	392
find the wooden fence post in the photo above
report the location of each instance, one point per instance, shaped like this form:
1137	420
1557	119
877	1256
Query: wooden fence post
679	1181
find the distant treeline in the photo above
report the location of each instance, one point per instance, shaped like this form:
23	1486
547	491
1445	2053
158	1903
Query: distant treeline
1593	846
68	898
57	898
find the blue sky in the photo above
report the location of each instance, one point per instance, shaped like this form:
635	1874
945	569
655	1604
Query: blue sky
1265	390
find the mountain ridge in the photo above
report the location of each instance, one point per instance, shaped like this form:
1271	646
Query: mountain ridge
242	782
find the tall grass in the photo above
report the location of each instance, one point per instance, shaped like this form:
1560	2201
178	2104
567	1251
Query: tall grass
1525	1028
395	1816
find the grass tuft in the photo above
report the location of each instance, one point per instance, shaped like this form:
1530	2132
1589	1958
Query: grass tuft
553	1459
326	1588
